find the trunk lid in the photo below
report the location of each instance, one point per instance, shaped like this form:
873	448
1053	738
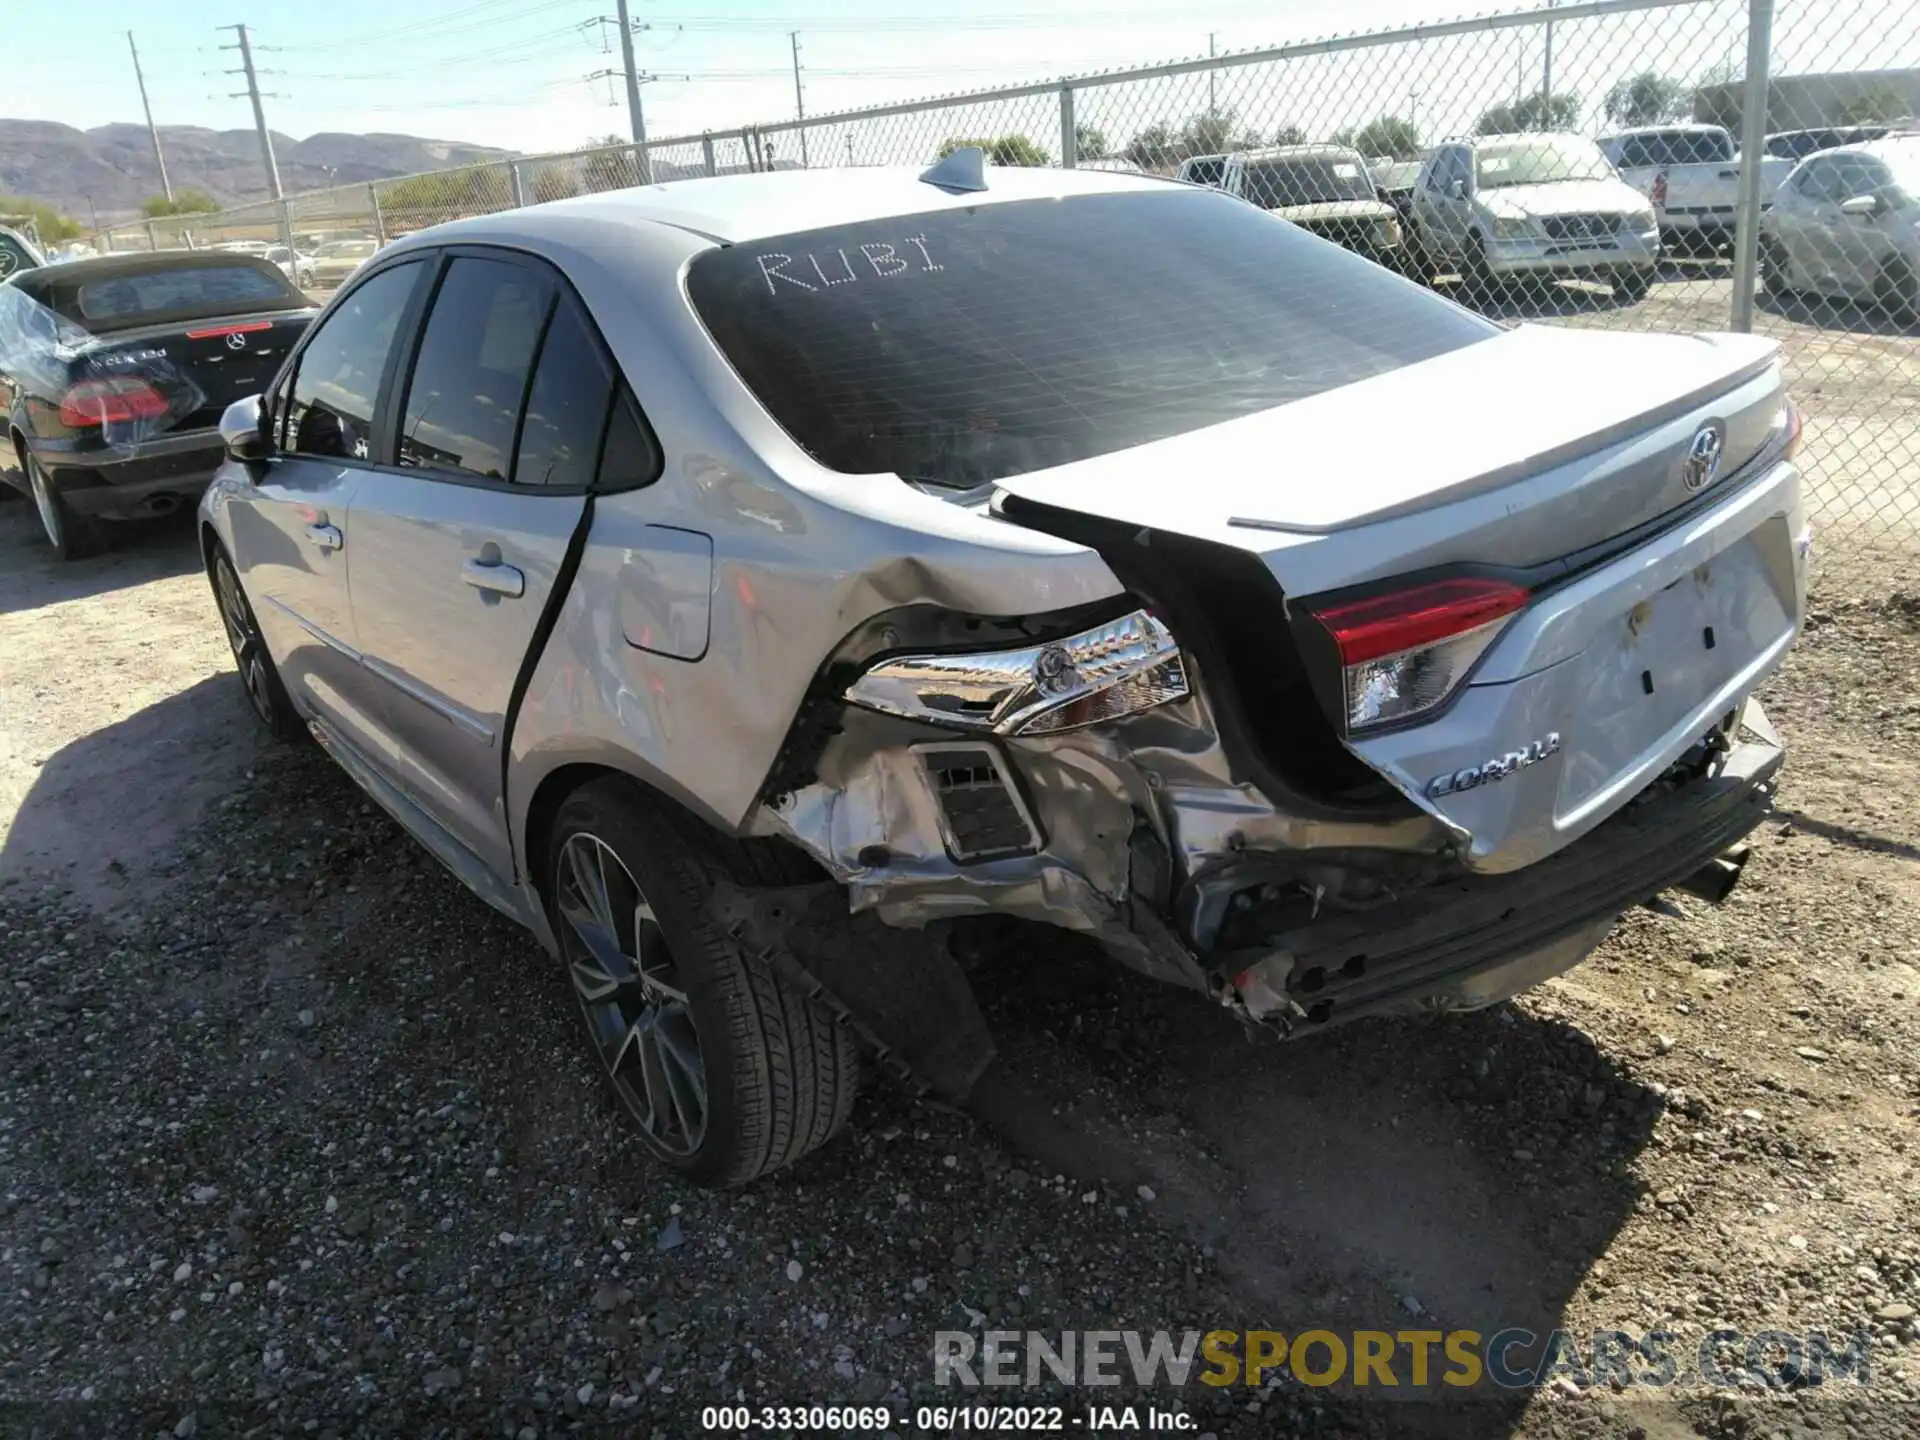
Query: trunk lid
199	367
1544	452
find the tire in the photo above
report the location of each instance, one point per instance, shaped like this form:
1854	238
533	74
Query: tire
1773	270
1474	274
73	536
1630	285
260	681
777	1072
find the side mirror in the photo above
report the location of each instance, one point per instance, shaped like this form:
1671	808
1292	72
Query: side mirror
1861	205
243	430
1457	189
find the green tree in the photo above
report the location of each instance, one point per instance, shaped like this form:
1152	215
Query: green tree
1532	113
184	202
1153	147
1212	131
1647	99
1289	135
52	225
1388	135
1090	142
1001	149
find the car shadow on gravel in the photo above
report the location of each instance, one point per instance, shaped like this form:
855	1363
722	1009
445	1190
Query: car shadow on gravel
32	576
1860	317
104	812
1460	1173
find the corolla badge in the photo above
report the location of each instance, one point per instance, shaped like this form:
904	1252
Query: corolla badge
1702	465
1498	768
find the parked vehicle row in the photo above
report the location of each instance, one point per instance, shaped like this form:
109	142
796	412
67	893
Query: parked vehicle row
1513	212
729	603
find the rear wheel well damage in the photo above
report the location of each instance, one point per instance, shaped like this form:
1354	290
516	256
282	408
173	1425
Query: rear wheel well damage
903	993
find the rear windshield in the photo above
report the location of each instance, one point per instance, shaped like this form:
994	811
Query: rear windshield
1307	180
1676	147
120	299
963	346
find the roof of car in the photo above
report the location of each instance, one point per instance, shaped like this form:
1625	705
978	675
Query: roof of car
733	208
1691	127
141	262
1903	145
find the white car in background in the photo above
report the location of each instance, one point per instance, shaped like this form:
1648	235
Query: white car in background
1847	225
335	260
296	265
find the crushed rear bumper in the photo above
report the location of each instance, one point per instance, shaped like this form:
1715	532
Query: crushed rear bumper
1483	938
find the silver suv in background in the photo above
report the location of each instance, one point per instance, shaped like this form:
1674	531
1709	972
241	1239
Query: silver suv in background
1514	212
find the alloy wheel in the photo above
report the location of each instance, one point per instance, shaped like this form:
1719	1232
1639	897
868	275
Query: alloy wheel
243	638
44	502
632	995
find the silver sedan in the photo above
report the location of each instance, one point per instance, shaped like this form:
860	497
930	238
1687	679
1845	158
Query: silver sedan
750	585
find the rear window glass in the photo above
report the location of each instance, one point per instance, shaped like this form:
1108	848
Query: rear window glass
209	289
1309	180
962	346
1676	147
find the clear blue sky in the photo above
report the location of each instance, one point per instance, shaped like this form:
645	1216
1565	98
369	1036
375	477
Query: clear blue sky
511	72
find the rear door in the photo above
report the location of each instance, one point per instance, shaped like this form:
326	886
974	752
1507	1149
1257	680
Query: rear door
461	543
290	530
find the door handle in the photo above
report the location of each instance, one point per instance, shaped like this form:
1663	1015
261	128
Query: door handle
327	537
501	579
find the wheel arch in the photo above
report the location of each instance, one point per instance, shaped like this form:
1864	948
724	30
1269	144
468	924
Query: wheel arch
550	792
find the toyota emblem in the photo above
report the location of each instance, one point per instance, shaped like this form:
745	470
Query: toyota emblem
236	341
1702	465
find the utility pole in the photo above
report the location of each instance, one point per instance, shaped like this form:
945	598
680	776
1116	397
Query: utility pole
634	112
158	158
252	93
799	105
1546	77
1212	104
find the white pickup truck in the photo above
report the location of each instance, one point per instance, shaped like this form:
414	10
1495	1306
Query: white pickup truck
1691	173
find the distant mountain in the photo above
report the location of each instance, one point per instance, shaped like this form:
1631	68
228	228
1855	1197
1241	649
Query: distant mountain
114	163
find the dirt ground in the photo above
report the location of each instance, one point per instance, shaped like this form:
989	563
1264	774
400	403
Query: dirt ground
296	1135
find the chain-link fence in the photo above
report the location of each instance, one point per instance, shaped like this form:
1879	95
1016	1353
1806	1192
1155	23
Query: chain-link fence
1591	164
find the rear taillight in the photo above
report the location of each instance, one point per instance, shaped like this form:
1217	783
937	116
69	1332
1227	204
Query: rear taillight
1792	423
216	331
111	401
1404	652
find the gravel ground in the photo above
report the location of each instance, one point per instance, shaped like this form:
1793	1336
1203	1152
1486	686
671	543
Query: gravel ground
297	1137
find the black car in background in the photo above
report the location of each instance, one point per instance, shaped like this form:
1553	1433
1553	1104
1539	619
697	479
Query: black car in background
114	372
